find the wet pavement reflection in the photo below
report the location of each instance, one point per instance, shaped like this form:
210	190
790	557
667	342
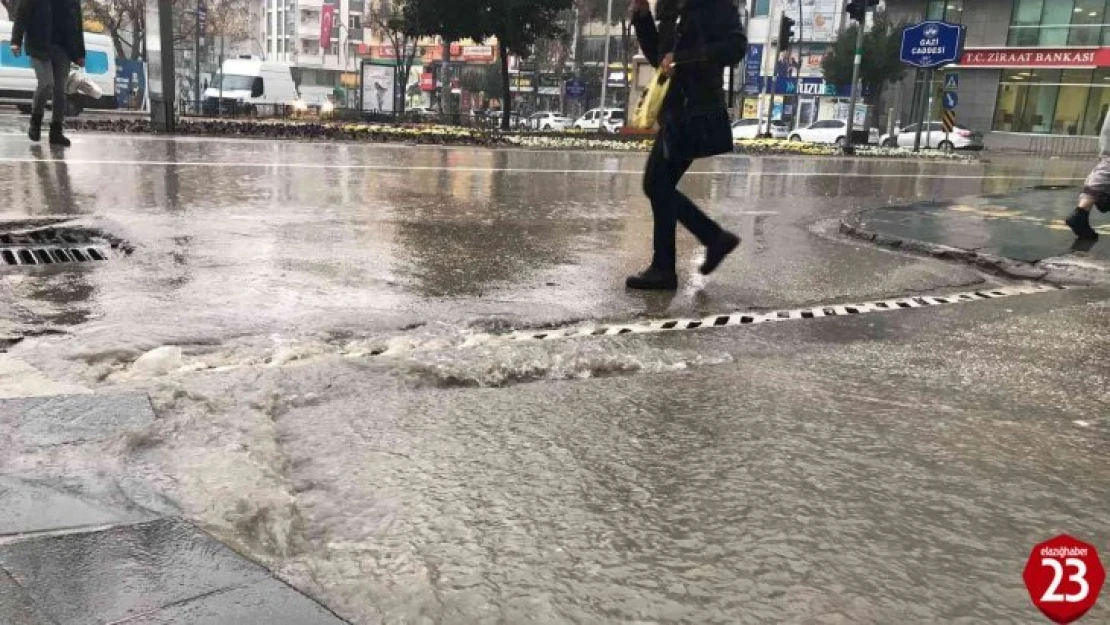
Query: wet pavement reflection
867	469
1027	225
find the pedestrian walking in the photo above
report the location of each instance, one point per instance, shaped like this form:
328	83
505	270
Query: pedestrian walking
1096	190
693	123
52	34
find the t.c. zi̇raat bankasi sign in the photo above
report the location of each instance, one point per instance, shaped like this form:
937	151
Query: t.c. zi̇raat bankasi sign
1036	57
932	44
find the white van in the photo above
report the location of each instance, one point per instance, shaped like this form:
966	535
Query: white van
250	85
17	79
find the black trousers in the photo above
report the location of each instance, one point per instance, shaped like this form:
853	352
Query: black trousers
670	207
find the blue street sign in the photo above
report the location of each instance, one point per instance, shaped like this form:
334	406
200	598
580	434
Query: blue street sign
576	89
753	64
951	100
932	44
951	82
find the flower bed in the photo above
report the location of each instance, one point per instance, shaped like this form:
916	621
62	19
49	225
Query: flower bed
429	134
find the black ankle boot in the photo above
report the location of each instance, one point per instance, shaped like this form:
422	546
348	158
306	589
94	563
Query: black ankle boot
1080	224
653	279
34	133
717	251
56	136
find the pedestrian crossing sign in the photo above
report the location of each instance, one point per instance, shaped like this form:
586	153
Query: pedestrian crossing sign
951	82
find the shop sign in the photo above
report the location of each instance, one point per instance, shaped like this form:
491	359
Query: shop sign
521	83
481	54
1036	57
753	65
427	81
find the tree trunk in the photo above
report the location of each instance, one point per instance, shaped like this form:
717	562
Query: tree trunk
445	79
506	87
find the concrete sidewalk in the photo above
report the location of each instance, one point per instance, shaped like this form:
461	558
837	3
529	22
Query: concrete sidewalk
69	558
1021	233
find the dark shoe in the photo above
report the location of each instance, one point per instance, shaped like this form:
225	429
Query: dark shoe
653	280
1080	224
718	251
56	136
1103	206
34	133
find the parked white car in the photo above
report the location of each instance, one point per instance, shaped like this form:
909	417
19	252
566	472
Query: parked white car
594	118
749	129
548	121
825	131
961	138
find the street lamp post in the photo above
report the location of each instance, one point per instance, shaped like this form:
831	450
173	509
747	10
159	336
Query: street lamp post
605	68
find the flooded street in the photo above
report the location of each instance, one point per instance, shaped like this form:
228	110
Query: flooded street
321	330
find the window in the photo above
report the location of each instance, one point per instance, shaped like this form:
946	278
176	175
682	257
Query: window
761	8
1060	102
947	10
96	62
1025	26
1059	23
1087	23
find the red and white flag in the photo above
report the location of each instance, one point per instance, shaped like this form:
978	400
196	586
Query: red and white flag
327	21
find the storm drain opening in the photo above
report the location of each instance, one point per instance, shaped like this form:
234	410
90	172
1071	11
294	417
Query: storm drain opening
57	245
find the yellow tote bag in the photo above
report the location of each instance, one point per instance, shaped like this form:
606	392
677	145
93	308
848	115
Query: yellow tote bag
651	103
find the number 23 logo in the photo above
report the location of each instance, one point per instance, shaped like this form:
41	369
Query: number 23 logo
1052	594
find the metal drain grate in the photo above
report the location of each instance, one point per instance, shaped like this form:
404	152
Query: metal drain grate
58	246
24	256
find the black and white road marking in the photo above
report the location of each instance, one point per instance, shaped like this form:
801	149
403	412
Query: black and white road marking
756	318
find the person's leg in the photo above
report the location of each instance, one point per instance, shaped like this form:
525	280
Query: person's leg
661	179
1080	219
44	75
659	187
1094	192
718	242
60	62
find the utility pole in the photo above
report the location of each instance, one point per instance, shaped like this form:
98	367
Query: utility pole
605	70
849	146
774	65
201	22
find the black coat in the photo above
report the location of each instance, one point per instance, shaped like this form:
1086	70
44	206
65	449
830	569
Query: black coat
709	38
34	21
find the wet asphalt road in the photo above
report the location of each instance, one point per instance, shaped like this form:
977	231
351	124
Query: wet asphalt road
880	468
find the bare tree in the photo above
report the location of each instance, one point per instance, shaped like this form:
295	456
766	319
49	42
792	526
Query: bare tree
397	23
125	21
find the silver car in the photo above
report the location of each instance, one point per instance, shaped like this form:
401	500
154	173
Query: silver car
934	137
749	129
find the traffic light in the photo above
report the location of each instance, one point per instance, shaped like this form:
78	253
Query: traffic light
857	9
786	32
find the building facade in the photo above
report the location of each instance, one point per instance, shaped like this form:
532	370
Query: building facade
324	57
802	96
1031	68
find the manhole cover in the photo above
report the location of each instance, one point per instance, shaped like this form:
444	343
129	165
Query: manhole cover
57	245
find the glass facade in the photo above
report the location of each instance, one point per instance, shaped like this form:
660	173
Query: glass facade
1054	101
1059	23
947	10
